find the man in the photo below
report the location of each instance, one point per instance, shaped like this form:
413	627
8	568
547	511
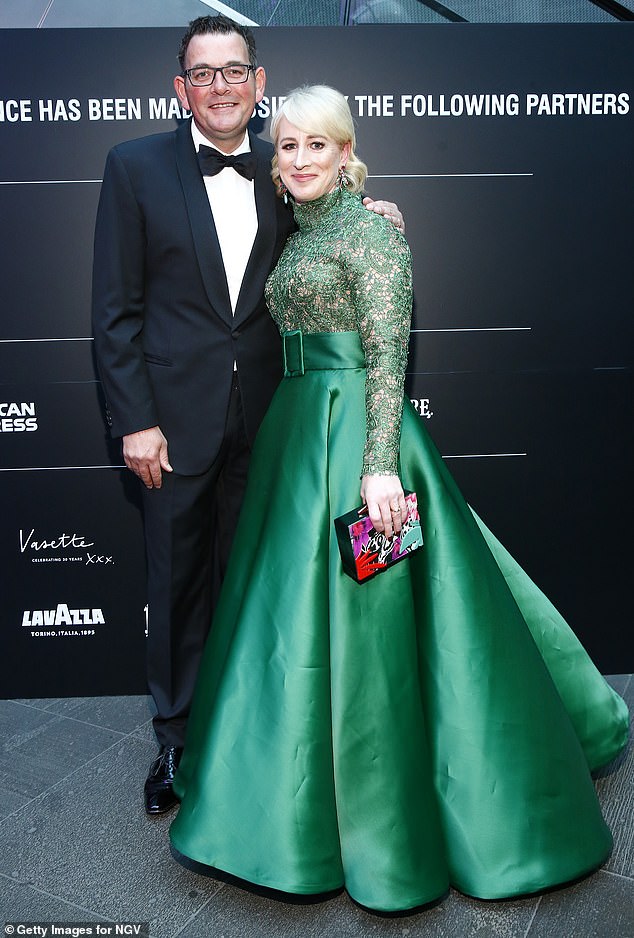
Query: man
188	354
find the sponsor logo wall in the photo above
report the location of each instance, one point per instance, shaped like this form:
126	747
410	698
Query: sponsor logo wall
509	150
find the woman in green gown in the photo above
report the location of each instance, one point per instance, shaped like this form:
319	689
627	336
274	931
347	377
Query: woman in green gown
436	725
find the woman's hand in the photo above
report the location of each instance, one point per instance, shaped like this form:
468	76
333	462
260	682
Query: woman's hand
386	503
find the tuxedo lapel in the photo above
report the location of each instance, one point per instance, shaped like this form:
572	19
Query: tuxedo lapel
202	224
260	259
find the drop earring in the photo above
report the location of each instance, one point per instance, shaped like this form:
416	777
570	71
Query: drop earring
342	181
283	191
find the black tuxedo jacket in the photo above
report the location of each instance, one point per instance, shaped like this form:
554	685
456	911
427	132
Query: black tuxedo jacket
165	335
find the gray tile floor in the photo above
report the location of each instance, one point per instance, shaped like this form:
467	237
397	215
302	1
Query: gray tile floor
76	846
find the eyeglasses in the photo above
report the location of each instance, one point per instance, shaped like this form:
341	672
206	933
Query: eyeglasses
203	75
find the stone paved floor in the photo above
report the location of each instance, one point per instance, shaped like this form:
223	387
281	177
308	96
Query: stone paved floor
76	846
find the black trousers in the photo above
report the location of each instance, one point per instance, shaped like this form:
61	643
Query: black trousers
189	525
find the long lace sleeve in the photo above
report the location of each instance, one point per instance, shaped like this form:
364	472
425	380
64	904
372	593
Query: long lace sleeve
382	284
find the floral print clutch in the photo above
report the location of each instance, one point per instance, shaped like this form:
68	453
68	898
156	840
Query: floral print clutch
365	552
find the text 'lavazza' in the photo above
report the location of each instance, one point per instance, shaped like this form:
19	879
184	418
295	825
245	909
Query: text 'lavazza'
62	622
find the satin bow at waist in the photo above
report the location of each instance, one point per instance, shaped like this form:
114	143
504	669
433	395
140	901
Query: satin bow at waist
321	350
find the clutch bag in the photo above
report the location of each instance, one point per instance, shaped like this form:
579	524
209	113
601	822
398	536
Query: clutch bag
366	552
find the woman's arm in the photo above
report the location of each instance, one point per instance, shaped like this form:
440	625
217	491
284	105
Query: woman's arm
382	285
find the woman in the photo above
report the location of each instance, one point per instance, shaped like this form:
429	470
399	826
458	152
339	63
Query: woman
434	725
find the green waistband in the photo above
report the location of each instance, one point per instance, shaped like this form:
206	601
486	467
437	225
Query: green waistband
320	350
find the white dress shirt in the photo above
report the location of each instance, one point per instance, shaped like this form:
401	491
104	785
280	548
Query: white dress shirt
232	201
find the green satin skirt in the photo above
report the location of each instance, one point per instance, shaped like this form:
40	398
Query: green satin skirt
433	726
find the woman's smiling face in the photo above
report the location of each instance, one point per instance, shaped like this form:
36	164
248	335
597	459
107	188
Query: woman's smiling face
308	164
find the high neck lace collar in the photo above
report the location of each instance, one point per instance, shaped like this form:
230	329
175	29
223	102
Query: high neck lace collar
311	214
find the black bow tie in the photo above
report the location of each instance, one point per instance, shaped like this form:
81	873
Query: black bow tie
212	161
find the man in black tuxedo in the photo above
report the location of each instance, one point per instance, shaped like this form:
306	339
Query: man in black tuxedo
188	354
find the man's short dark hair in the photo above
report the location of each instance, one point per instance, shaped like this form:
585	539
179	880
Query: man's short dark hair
219	26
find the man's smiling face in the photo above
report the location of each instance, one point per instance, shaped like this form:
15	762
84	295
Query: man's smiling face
221	111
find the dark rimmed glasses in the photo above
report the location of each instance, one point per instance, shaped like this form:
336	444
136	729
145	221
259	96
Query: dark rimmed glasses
202	75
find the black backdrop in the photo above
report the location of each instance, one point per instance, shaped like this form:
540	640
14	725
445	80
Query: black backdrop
509	150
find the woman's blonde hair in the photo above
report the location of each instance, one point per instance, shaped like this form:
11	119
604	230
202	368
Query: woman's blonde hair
318	109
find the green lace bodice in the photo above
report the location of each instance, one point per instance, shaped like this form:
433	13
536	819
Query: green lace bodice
349	269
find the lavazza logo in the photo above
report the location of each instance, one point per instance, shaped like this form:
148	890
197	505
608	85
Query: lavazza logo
62	622
17	417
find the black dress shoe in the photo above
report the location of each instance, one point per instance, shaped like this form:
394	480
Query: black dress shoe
159	793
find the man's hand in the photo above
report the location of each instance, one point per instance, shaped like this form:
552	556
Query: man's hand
388	209
145	453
